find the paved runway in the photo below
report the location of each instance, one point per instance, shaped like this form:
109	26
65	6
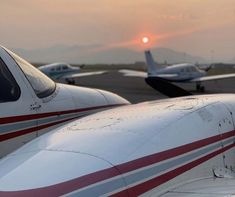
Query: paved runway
136	90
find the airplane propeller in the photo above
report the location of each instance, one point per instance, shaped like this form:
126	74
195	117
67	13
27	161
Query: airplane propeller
166	88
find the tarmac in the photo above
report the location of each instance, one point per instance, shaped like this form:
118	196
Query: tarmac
136	90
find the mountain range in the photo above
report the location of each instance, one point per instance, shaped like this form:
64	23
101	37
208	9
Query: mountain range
94	54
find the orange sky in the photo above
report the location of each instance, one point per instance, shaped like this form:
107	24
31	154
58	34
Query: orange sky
194	26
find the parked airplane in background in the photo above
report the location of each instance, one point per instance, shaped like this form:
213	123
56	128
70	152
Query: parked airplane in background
31	103
169	148
185	72
65	71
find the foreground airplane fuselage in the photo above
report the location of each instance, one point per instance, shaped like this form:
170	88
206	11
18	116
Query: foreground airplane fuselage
31	103
145	149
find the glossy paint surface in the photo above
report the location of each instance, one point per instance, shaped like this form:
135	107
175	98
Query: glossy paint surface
132	150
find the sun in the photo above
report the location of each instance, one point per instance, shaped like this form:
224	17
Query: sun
145	39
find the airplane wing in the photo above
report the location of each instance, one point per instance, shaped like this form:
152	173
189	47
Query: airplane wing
213	77
85	74
219	187
133	73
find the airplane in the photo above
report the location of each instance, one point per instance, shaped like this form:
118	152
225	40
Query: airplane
31	103
65	71
185	72
174	147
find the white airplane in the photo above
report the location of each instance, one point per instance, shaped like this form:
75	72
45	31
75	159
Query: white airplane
32	104
186	72
65	71
170	148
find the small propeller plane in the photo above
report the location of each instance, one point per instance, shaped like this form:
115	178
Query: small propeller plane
31	103
65	71
186	72
174	147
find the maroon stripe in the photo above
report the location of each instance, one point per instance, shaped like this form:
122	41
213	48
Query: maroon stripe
10	135
80	182
164	155
13	119
148	185
66	187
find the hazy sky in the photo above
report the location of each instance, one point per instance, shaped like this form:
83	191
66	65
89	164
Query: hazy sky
199	27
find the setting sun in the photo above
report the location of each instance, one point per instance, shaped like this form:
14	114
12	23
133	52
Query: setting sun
145	40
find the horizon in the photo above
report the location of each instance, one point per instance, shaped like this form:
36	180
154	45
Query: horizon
63	53
161	55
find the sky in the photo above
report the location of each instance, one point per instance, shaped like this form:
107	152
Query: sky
200	27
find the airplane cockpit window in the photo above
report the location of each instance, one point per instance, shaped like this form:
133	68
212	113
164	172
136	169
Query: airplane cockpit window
65	67
41	84
187	69
9	89
193	69
58	68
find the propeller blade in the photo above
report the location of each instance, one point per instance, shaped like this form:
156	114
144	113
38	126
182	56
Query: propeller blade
165	87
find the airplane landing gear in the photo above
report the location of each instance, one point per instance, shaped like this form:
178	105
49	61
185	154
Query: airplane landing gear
70	81
200	88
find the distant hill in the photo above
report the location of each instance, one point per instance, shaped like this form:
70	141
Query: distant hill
232	61
92	55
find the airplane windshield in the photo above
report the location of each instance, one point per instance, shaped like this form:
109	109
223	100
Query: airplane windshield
193	69
42	85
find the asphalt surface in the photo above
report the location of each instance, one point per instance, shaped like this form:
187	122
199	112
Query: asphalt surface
136	90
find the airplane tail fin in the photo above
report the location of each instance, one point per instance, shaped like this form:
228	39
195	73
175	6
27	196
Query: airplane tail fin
152	67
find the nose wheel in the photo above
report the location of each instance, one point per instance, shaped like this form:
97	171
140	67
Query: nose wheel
70	81
200	88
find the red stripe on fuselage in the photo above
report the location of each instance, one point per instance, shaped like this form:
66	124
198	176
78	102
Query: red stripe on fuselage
66	187
15	134
159	180
164	155
13	119
87	180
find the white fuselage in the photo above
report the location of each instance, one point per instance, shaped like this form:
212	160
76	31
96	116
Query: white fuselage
141	149
183	72
30	106
58	70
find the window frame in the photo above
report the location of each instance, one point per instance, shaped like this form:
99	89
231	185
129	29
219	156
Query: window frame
40	95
